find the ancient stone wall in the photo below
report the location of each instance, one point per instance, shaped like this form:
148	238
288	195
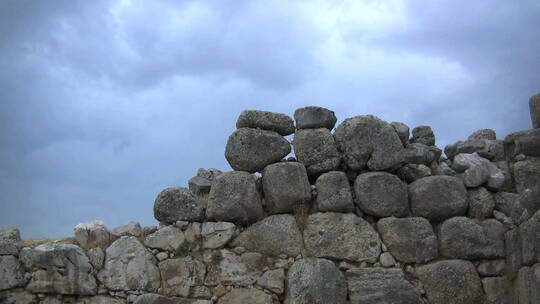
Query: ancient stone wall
364	213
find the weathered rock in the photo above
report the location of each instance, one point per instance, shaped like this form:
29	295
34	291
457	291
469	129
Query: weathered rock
508	185
152	298
234	198
130	229
273	280
177	204
96	257
9	240
316	149
314	117
530	239
180	276
368	141
462	237
252	149
341	236
387	260
381	194
58	268
509	204
527	174
202	182
418	153
129	266
265	120
525	286
167	238
451	282
526	142
438	197
491	268
514	257
227	268
17	296
244	295
92	234
11	272
99	300
334	193
285	186
481	203
379	285
315	281
216	235
402	131
476	171
497	290
534	107
483	134
274	235
410	240
486	148
411	172
423	135
444	169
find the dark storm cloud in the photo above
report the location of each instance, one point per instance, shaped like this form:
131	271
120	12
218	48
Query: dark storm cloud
105	103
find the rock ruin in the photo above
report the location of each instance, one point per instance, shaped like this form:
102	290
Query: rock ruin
367	213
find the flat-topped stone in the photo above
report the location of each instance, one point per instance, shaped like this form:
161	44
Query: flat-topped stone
317	150
314	117
265	120
285	187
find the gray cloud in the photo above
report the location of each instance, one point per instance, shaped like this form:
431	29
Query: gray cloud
105	103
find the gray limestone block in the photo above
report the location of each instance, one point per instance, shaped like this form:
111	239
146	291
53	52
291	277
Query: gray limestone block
234	198
265	120
410	240
381	194
177	204
252	149
274	235
514	256
483	134
314	117
451	282
92	234
530	239
402	131
438	197
11	272
380	285
315	281
423	135
285	186
367	141
334	193
316	149
341	236
481	203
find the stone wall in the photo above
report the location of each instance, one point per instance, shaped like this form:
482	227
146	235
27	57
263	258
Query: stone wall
364	213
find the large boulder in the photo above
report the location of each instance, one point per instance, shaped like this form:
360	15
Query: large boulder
381	194
514	258
234	198
167	238
411	172
534	107
527	174
497	290
285	186
245	295
281	123
216	234
180	276
334	193
451	282
380	285
129	266
273	280
530	239
510	204
226	268
488	134
315	281
481	203
487	148
410	240
252	149
58	268
314	117
526	285
316	149
423	135
10	238
402	131
274	235
11	272
132	228
526	142
177	204
476	171
367	141
92	234
418	153
341	236
462	237
438	197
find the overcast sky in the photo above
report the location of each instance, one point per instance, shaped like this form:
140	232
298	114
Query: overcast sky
105	103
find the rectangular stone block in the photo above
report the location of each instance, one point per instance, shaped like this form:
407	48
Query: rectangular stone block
513	252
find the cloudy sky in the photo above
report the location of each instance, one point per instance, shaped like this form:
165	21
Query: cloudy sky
105	103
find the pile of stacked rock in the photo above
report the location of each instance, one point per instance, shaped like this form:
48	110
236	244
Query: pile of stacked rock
364	213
